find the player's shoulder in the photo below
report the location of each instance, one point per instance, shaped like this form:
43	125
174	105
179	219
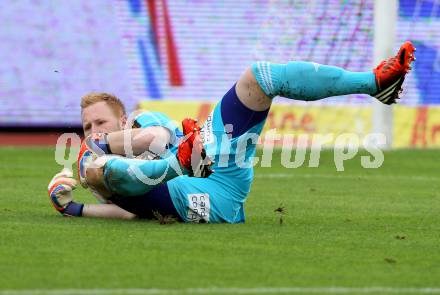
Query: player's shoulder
145	119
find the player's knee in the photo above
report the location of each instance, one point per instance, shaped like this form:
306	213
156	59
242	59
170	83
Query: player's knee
94	176
248	76
95	180
251	93
254	85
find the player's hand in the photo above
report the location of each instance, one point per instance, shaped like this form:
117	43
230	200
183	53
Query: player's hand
60	189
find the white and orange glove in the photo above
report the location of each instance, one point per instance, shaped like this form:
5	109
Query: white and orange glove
60	193
93	147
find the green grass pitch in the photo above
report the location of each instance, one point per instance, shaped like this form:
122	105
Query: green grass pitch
357	228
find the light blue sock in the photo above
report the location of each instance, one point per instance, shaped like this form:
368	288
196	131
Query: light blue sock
133	177
311	81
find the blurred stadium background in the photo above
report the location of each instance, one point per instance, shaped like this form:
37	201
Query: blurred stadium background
180	57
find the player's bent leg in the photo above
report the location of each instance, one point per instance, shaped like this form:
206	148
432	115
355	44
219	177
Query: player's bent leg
110	174
133	177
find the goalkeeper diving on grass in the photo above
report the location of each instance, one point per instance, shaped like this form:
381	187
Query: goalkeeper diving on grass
201	174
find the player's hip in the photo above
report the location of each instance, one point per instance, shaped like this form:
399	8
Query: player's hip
211	200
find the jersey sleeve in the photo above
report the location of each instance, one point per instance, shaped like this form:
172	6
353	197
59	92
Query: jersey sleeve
150	119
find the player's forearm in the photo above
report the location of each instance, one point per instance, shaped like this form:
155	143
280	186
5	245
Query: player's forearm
137	141
106	211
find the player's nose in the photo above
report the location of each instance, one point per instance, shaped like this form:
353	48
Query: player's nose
95	129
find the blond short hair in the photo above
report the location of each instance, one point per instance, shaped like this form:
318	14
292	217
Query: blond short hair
112	101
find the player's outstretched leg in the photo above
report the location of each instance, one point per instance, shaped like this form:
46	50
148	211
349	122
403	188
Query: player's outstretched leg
311	81
133	177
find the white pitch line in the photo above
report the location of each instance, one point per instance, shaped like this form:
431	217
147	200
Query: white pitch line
287	290
344	176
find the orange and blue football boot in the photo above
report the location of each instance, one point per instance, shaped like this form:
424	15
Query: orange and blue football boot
390	74
191	153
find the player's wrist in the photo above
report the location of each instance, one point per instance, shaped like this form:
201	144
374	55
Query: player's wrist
73	209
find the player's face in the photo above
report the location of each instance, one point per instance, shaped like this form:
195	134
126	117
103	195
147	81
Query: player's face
99	117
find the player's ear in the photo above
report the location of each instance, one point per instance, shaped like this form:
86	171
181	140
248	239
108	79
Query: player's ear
122	121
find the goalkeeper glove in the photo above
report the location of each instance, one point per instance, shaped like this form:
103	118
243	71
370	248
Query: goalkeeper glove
93	147
60	194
